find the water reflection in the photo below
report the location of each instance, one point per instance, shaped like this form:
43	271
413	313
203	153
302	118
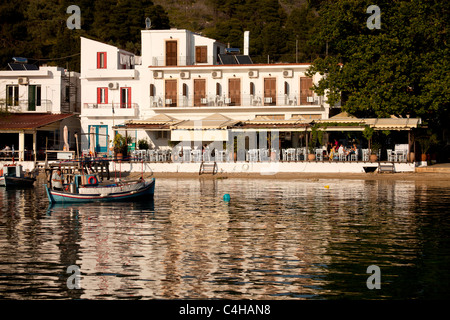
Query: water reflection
273	240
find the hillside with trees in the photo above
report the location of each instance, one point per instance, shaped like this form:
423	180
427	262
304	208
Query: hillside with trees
37	29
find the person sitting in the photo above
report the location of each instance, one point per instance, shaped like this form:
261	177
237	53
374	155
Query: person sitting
57	180
332	153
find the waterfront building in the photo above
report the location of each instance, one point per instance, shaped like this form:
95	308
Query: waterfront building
182	78
36	103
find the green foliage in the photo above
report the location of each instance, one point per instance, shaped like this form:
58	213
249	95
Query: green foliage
120	144
37	29
143	144
400	69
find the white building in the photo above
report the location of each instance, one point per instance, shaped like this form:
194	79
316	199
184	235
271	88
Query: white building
37	102
182	76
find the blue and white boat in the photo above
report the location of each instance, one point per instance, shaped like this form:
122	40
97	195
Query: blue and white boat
86	188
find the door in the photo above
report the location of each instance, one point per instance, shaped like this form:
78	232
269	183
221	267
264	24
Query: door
199	91
270	91
125	97
171	53
171	93
101	138
234	92
31	98
305	91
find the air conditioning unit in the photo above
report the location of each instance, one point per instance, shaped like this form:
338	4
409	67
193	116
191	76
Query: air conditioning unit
216	74
185	74
23	80
309	99
113	86
157	74
288	73
253	74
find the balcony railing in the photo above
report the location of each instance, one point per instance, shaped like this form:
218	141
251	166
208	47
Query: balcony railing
106	109
227	101
26	106
110	105
181	61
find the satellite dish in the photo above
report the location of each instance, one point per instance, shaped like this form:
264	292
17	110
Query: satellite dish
148	23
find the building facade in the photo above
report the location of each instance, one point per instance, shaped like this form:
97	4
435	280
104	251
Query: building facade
36	104
184	76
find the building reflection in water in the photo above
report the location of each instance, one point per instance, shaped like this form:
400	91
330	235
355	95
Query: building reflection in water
275	239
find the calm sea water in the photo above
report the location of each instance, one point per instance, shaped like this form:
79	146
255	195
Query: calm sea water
275	239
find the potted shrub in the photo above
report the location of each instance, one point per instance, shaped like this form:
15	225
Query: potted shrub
426	142
375	147
143	144
120	146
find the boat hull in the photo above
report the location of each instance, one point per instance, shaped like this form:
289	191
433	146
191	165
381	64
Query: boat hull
145	192
16	182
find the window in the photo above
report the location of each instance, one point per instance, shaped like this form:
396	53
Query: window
201	54
12	95
34	97
161	134
125	97
101	60
102	95
152	90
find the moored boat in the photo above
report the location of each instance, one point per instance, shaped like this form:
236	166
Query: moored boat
13	176
86	188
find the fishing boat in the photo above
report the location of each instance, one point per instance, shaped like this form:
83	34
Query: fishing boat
87	188
13	176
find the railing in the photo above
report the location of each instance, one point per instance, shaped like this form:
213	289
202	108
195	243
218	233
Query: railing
182	61
26	106
110	105
224	100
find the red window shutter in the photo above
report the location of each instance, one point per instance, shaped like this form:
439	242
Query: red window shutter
99	95
101	55
98	60
106	95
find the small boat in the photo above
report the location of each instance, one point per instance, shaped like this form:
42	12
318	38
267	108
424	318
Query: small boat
86	188
13	176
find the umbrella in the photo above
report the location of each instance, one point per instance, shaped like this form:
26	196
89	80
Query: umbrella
92	142
66	139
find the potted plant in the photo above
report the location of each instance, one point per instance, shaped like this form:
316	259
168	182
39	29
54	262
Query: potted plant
120	146
426	142
375	147
143	144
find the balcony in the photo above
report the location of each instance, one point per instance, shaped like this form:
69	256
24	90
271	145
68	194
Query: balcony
107	74
182	61
118	110
26	106
223	101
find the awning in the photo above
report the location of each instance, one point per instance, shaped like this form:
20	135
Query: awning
30	121
212	128
214	121
297	124
160	122
393	123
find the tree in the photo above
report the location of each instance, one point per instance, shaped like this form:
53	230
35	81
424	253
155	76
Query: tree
401	68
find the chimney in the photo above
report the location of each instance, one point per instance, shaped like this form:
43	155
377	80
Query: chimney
246	42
